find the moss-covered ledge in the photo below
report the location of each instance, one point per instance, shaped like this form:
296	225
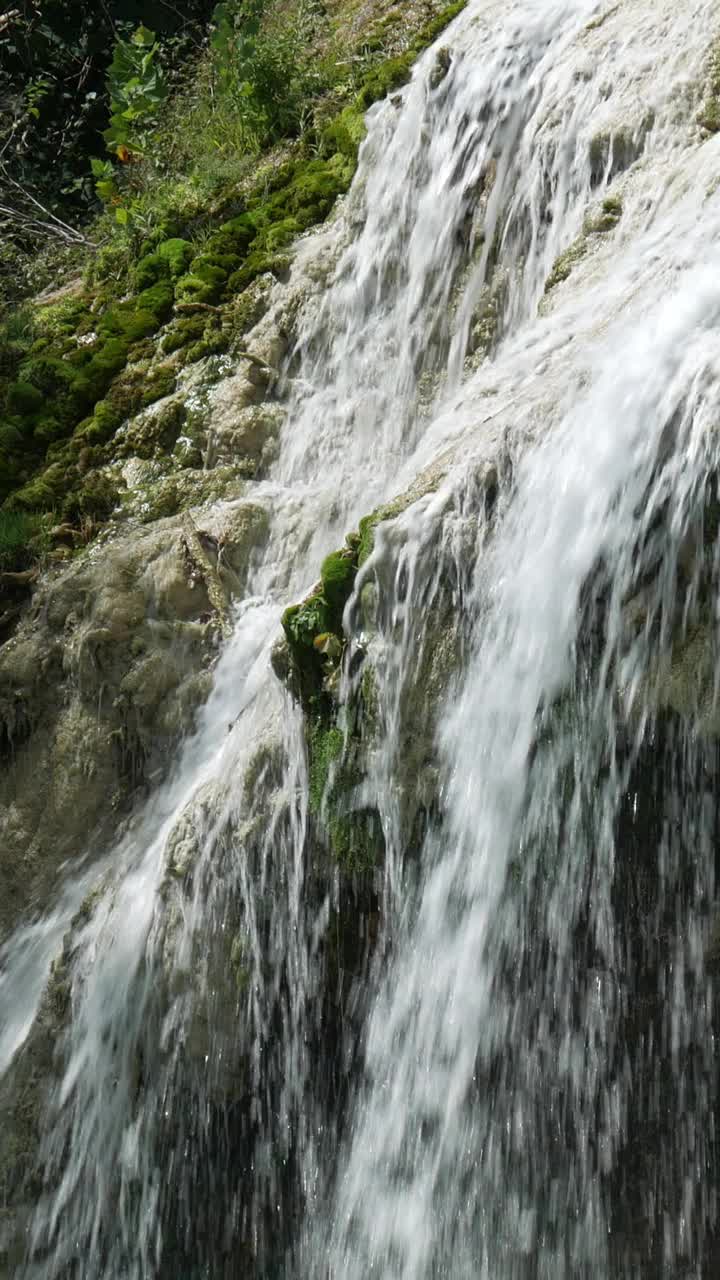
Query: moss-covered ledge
309	659
75	368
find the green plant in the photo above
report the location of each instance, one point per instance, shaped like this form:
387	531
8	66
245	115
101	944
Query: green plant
136	88
258	70
18	532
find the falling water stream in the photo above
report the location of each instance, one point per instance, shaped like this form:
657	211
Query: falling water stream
516	1076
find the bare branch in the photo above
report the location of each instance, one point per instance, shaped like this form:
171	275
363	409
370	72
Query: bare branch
22	209
8	17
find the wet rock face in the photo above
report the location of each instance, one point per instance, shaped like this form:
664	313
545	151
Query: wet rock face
107	657
102	678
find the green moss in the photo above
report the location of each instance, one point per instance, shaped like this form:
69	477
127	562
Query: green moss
595	224
325	749
395	72
607	218
367	536
168	262
215	344
47	374
596	23
258	264
160	382
23	398
356	841
64	319
564	264
241	962
162	500
370	700
47	430
303	622
106	418
153	435
354	836
94	499
338	575
344	133
11	440
185	330
84	384
42	493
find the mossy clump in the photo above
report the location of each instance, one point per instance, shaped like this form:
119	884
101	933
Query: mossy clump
395	72
160	382
612	152
24	399
184	331
595	224
314	628
167	262
325	749
354	836
153	435
344	133
93	500
337	575
565	262
607	217
302	624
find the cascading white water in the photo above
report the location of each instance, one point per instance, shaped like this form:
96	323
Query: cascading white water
501	1086
447	1174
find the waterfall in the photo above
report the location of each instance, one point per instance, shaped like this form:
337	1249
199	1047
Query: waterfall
510	1071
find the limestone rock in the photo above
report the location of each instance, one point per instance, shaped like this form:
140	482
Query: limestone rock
100	679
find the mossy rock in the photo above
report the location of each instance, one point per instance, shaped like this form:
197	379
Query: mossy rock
607	218
94	499
613	151
160	382
337	575
153	434
313	628
354	836
184	330
709	115
48	429
42	493
565	262
326	748
393	73
344	133
168	262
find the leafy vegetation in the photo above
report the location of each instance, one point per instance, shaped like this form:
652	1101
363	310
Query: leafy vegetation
53	107
20	538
